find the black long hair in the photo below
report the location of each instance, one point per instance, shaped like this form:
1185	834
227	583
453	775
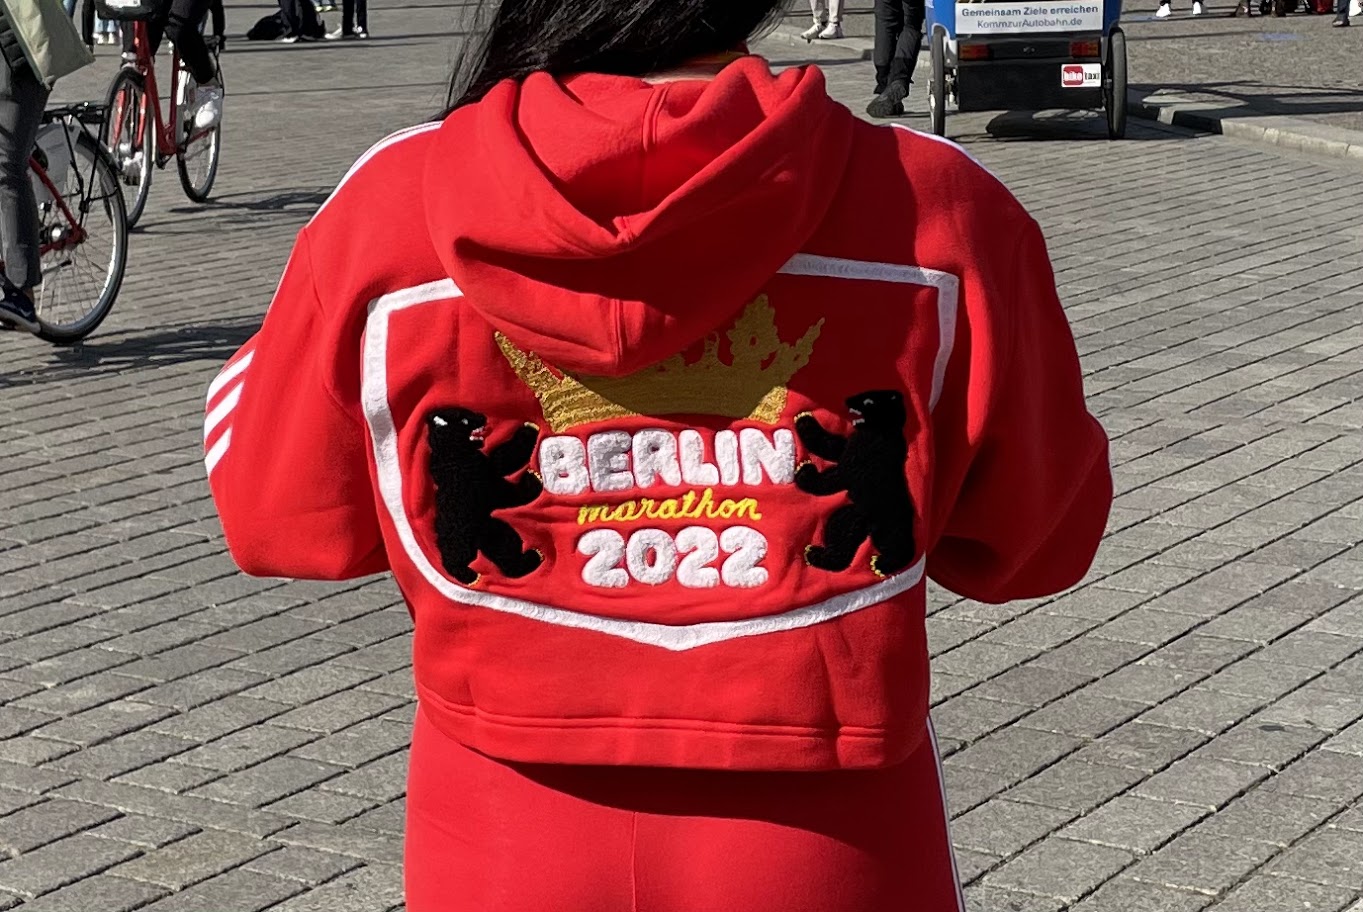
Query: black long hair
622	37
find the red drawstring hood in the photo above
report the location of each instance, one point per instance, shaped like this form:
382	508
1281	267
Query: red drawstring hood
580	216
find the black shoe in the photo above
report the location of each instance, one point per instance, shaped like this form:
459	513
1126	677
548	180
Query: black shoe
1340	22
889	103
16	310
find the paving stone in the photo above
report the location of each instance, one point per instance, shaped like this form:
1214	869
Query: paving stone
374	887
345	839
1083	714
1002	828
33	751
967	717
1281	894
366	742
1121	895
246	748
1089	655
60	863
142	830
222	717
198	689
102	892
1255	677
307	866
1315	706
47	821
1267	744
124	753
26	779
321	806
1332	857
104	722
971	864
290	657
193	859
1323	774
1198	653
388	818
1143	683
1203	710
200	812
1061	868
239	891
311	684
1349	741
983	896
1134	823
339	711
1142	746
1015	753
1074	784
170	777
1202	861
383	779
268	781
1311	649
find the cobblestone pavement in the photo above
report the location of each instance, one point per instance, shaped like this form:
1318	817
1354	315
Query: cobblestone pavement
1296	66
1180	732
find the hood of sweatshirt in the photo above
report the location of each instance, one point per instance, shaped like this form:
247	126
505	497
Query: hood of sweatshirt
606	222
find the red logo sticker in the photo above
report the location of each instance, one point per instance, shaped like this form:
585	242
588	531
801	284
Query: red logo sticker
1072	74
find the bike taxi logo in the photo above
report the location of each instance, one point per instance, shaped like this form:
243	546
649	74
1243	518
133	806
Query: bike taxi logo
633	489
1081	75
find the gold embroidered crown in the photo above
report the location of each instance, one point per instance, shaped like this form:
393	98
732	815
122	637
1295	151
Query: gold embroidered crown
752	385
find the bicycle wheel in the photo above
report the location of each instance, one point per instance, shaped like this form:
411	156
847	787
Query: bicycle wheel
84	262
197	151
131	138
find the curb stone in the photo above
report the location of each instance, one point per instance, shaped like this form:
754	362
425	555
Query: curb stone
1180	111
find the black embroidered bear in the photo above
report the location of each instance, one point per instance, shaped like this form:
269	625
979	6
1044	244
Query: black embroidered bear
470	485
870	468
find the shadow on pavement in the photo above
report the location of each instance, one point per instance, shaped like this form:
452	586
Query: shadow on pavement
214	342
1256	99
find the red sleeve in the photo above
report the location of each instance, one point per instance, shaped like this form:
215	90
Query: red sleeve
1024	485
286	454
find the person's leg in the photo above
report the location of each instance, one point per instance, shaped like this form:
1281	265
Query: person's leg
485	834
1341	13
906	48
855	841
889	23
182	25
347	16
22	98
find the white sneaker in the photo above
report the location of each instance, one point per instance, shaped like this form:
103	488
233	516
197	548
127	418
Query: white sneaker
1163	12
834	30
1197	8
208	106
812	32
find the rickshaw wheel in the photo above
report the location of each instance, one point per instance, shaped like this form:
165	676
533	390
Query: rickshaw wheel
1114	86
937	91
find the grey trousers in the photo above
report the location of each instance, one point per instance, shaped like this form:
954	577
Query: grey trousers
22	98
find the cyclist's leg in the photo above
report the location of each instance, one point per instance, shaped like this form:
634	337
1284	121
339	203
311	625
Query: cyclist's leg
156	27
183	28
22	98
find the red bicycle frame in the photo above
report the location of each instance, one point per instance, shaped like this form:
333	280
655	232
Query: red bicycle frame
145	63
76	234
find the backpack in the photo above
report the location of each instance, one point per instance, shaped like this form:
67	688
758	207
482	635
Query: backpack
267	29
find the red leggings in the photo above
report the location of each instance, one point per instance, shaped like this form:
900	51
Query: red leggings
484	835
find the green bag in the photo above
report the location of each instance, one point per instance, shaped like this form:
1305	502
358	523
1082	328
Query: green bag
49	38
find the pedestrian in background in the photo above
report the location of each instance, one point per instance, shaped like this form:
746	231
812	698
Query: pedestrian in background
354	20
899	33
827	20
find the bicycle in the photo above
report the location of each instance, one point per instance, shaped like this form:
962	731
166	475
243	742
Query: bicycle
139	136
82	221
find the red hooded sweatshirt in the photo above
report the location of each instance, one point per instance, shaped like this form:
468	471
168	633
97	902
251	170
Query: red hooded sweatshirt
661	402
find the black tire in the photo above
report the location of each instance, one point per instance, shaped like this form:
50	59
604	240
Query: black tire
81	282
937	90
1114	84
126	105
197	155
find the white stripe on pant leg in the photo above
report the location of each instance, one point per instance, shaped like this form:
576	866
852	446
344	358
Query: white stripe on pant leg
946	816
222	410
